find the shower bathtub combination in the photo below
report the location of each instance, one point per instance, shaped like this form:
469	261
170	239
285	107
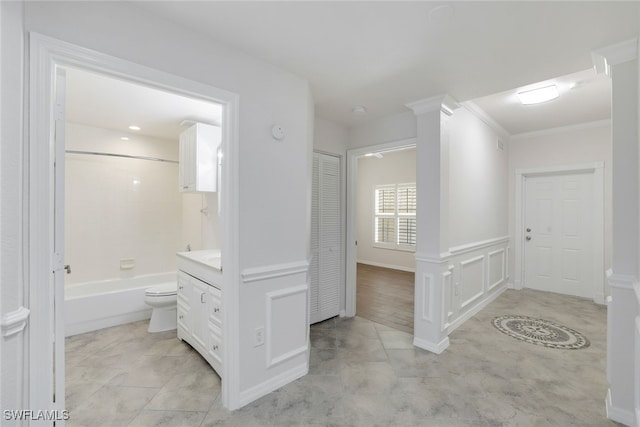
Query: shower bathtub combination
95	305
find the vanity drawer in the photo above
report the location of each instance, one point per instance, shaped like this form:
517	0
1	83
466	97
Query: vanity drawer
214	348
183	317
183	288
215	306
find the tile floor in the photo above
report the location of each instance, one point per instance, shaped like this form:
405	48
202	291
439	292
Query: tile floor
361	374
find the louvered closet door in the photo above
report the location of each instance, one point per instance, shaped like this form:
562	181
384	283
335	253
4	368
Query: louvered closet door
326	254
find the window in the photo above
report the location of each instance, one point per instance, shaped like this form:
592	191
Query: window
395	216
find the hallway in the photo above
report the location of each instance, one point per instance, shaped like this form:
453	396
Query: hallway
361	374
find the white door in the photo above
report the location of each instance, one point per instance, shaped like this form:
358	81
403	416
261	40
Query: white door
558	234
326	238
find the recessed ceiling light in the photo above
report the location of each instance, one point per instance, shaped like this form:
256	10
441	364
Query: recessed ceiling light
134	127
124	138
359	110
536	96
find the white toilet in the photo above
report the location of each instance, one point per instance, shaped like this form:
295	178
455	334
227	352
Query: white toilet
163	298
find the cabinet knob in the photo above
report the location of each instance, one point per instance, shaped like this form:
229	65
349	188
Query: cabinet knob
181	316
216	310
181	287
214	348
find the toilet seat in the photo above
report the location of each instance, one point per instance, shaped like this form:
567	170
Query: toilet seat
164	289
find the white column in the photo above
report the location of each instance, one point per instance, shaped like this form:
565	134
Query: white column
432	178
620	63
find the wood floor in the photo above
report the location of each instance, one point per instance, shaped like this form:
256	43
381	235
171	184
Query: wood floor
385	296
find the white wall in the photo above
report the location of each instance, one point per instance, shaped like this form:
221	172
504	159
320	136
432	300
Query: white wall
477	181
565	146
477	217
385	129
397	167
271	173
329	137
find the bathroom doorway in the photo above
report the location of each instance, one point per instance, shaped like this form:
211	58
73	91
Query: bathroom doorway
51	61
125	217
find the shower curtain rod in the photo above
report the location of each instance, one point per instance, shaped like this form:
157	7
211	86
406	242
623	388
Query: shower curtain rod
97	153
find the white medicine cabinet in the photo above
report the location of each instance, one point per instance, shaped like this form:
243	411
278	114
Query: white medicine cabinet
199	158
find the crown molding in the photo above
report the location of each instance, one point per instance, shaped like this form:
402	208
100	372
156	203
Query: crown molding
560	129
614	54
474	109
443	102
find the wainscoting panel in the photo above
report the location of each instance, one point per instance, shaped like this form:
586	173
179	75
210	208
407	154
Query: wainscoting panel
472	280
427	297
496	270
477	275
287	325
448	298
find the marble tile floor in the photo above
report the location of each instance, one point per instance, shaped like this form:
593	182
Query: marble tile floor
361	374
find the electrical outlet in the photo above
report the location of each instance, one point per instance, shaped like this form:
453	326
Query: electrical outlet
259	336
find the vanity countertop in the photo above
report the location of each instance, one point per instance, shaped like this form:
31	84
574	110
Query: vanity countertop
210	258
205	264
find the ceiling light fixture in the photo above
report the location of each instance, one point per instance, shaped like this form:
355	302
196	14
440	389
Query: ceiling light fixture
124	138
359	110
536	96
134	127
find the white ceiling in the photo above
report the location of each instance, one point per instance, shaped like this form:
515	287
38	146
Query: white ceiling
384	54
106	102
584	97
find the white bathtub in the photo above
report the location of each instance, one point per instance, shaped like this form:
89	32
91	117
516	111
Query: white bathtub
96	305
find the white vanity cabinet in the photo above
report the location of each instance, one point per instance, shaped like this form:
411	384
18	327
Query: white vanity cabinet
200	306
214	326
198	167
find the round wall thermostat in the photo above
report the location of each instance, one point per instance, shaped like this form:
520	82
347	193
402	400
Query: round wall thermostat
277	131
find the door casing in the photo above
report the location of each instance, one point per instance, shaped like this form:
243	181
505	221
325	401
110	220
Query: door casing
351	232
597	171
46	54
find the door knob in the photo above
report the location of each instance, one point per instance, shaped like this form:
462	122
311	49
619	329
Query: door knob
528	230
68	268
528	238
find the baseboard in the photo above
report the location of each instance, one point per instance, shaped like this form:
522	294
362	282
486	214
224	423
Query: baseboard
105	322
436	348
272	384
390	266
511	286
475	309
619	415
599	298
